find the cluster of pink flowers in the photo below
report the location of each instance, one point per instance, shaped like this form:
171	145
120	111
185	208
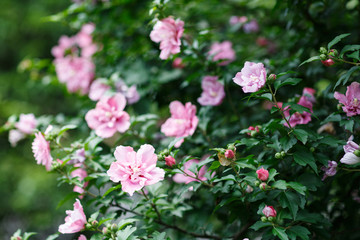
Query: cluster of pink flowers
41	151
108	117
213	91
135	170
352	153
182	123
76	69
168	32
75	220
100	88
252	77
222	51
351	100
26	125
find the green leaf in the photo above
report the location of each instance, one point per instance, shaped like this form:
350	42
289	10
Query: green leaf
97	236
345	77
158	236
349	48
272	174
289	81
355	55
68	197
287	142
53	236
111	189
125	233
260	224
300	231
291	201
337	39
66	128
266	96
301	134
27	235
280	184
280	233
123	223
312	59
297	187
296	107
348	124
304	157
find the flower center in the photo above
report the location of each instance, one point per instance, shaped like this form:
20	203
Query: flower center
254	78
356	102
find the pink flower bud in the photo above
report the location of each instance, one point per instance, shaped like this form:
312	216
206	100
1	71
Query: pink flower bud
177	63
328	62
263	186
262	174
269	211
169	160
249	189
229	154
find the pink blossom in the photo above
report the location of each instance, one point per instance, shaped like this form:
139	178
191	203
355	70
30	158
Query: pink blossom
236	19
76	72
251	27
252	77
182	122
27	123
177	63
131	94
351	100
299	118
97	89
75	220
330	169
190	176
170	160
262	174
15	136
350	157
168	32
81	174
65	43
108	117
269	211
213	91
222	51
135	169
309	93
41	150
78	157
82	237
84	38
229	154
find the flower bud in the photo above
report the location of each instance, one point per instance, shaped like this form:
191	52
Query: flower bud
263	186
283	154
323	50
94	223
15	238
312	149
271	219
165	152
105	230
88	225
249	189
253	133
262	174
323	57
328	62
269	211
169	160
277	155
257	183
333	52
231	147
271	77
229	154
224	161
161	157
357	152
264	219
114	227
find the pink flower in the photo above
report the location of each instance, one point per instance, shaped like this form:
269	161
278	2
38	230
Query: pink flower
252	77
81	174
41	150
82	237
309	93
130	93
78	157
65	43
350	157
108	117
351	100
330	169
170	160
15	136
222	51
229	154
135	169
182	122
269	211
76	72
97	89
168	32
213	91
177	63
75	220
251	27
262	174
27	123
235	20
190	176
299	118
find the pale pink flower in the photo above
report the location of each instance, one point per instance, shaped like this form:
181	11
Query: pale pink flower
213	91
135	170
299	118
81	174
15	136
65	43
131	94
27	123
41	150
84	38
309	93
170	160
75	220
108	117
182	122
76	72
252	77
168	32
190	176
78	157
97	89
262	174
222	51
330	169
269	211
251	27
351	100
82	237
350	158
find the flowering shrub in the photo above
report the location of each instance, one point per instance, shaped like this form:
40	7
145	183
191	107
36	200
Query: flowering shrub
262	155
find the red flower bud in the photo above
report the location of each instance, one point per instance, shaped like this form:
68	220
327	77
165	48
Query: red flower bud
269	211
169	160
229	154
262	174
328	62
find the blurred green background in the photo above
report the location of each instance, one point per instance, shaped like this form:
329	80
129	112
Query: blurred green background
29	195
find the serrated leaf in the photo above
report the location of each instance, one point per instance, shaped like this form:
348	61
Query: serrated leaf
349	48
66	128
297	187
304	157
280	184
280	233
301	134
300	231
287	142
337	39
272	174
288	81
312	59
348	124
355	55
259	224
291	201
125	233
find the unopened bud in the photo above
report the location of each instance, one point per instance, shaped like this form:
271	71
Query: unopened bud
229	154
277	155
328	62
165	152
169	160
264	219
333	52
249	189
88	225
323	50
283	154
231	147
105	230
114	227
263	186
257	183
357	153
272	77
253	133
271	219
312	149
94	223
161	157
323	57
